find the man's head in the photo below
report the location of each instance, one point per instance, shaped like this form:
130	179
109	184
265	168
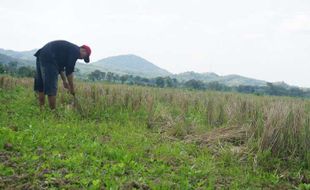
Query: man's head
85	52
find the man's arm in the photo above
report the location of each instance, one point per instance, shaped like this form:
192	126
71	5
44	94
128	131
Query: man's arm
71	60
64	79
71	86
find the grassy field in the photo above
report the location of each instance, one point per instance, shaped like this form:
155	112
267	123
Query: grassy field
129	137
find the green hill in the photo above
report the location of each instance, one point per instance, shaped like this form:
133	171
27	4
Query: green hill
23	58
132	65
229	80
5	59
22	55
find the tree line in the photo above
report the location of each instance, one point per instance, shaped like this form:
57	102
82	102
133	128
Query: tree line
168	82
165	82
13	69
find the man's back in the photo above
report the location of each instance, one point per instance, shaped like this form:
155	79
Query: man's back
61	52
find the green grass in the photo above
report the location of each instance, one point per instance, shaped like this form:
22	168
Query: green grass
126	143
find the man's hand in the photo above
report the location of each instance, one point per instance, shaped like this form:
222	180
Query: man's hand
71	86
64	80
66	85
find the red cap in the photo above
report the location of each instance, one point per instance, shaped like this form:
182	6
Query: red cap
88	50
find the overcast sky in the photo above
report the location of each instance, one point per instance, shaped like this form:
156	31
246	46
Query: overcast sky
262	39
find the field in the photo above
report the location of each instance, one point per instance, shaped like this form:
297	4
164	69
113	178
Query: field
129	137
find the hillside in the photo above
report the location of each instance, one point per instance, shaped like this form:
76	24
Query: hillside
5	59
23	55
229	80
130	64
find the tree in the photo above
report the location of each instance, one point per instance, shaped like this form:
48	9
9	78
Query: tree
96	75
124	78
145	80
137	80
110	76
195	84
169	82
297	92
116	77
246	89
175	82
217	86
276	90
160	82
26	72
12	67
1	69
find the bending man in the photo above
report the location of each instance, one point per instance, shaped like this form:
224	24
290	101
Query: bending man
57	57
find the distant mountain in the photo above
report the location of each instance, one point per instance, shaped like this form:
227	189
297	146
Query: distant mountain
137	66
186	76
127	64
229	80
236	80
4	59
26	55
282	84
22	57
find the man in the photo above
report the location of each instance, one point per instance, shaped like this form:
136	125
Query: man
57	57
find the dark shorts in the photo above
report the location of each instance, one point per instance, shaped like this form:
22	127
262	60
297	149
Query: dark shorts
46	77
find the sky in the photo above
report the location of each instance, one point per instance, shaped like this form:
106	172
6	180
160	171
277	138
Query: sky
262	39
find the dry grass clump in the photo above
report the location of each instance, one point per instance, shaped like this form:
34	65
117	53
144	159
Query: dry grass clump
286	129
236	135
7	82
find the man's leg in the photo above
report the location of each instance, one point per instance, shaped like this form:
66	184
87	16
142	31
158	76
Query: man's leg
38	84
50	82
52	102
41	99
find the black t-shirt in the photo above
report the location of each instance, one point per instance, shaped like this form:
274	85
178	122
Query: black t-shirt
62	53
